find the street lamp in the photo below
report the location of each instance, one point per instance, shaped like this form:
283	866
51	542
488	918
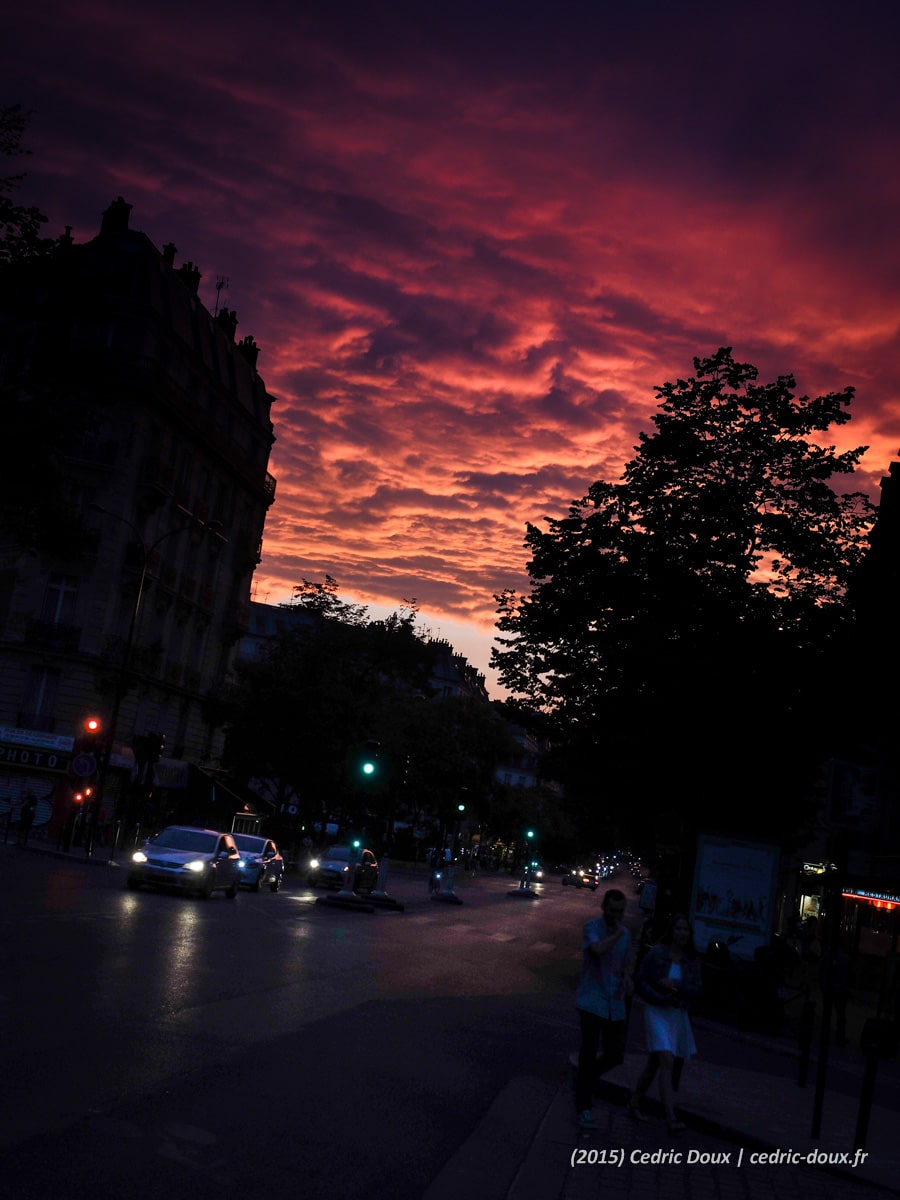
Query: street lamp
146	553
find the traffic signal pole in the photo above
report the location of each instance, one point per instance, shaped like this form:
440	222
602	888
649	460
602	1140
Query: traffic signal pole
525	891
447	895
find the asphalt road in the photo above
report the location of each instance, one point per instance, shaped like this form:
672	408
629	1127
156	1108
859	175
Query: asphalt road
155	1043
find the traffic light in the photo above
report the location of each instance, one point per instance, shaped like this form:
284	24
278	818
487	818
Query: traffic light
369	764
88	751
91	733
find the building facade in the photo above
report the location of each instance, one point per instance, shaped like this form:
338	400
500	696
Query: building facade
150	431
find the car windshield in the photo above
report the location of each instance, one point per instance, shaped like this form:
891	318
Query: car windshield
246	841
339	852
186	839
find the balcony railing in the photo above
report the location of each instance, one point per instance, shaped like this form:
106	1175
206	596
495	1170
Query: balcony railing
49	635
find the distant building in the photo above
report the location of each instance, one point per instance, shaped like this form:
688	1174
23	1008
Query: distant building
160	431
454	675
523	770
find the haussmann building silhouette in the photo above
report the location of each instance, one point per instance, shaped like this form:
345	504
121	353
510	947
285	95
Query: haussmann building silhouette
149	428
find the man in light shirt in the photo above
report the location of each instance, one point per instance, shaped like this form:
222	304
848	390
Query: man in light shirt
604	985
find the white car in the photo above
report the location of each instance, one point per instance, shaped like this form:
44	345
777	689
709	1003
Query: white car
192	860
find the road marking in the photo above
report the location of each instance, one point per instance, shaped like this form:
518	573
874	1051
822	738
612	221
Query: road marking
503	937
543	946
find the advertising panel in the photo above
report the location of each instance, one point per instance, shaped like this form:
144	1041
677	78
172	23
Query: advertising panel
733	899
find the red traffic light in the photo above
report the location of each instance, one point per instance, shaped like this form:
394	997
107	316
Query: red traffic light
92	725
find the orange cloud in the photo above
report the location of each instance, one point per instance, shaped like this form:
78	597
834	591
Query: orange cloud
471	247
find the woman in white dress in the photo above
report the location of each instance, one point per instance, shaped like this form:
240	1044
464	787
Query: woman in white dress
667	981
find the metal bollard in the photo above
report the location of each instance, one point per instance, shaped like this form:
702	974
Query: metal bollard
807	1021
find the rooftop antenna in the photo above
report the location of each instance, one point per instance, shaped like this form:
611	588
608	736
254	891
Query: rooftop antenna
222	282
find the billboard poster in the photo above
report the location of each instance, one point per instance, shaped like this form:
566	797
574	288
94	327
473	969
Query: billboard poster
733	899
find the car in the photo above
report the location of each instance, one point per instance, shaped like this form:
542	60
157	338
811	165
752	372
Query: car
579	877
190	859
261	864
332	867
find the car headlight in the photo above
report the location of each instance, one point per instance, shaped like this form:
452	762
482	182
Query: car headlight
139	856
196	866
313	862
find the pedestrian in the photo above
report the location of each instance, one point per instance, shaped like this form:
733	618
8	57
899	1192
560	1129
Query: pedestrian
604	985
26	819
668	980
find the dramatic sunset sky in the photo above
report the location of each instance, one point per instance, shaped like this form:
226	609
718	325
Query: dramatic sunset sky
471	238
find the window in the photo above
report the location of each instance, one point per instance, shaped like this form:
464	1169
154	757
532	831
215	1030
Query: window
59	600
41	689
39	701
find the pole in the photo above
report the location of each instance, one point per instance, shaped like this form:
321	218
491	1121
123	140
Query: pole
525	891
447	894
379	894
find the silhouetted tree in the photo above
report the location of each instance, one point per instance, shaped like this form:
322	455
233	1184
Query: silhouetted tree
684	626
20	224
302	717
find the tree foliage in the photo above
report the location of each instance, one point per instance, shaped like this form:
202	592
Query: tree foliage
302	717
683	623
20	225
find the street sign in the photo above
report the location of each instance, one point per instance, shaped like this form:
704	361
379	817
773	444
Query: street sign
84	764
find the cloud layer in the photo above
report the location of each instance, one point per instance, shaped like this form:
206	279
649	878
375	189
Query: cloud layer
471	240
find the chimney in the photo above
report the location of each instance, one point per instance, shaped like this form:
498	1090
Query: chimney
169	251
115	219
249	349
191	276
228	321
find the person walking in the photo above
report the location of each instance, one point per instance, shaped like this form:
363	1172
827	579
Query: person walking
668	980
26	819
600	1000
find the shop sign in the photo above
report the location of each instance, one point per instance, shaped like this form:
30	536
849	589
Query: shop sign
877	898
34	737
34	758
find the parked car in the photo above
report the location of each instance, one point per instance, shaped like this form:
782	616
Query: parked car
332	867
261	864
193	860
583	878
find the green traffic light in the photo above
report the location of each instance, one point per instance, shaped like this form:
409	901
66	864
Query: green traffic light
368	768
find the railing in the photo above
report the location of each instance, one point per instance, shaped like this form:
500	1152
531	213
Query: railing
49	635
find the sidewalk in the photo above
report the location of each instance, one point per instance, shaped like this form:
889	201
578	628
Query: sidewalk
39	844
530	1146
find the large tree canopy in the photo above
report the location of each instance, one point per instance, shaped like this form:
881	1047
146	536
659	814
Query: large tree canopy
683	624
